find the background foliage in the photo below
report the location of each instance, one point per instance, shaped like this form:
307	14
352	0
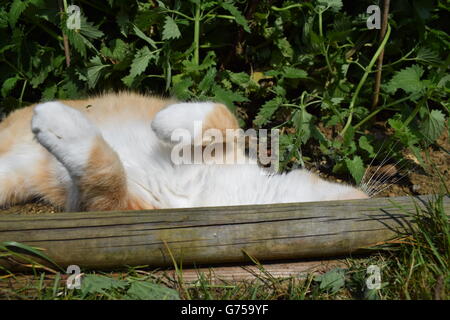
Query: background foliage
301	66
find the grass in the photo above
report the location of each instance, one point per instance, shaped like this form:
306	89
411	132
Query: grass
415	265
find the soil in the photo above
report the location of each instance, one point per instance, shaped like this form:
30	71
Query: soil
400	182
408	177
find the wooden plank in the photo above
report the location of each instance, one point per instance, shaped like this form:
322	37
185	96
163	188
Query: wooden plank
214	275
252	272
211	235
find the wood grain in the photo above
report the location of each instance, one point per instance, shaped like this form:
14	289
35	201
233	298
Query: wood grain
250	272
206	236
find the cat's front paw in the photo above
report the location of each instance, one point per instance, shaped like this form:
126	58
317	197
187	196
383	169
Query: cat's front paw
63	131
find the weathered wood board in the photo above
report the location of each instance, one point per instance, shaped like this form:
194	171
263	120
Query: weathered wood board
206	236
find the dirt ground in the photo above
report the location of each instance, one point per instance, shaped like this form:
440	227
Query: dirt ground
408	177
401	182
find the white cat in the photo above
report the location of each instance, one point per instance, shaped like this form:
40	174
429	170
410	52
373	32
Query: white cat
113	152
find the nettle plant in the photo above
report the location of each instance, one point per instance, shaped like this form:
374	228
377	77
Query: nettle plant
306	68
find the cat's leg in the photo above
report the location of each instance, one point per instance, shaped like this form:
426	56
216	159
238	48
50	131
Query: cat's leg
99	180
15	177
204	129
191	116
26	170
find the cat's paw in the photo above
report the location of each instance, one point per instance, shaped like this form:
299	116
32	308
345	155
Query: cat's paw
181	120
63	131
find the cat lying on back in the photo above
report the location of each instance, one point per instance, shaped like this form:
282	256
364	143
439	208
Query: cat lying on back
113	152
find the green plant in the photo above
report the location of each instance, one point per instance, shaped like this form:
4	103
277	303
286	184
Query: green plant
420	269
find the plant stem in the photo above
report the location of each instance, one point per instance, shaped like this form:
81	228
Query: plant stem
180	14
379	110
62	11
320	25
221	16
363	80
44	28
197	35
297	5
404	58
377	86
413	114
23	75
22	92
324	49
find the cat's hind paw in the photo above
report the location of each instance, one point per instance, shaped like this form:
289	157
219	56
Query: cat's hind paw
63	131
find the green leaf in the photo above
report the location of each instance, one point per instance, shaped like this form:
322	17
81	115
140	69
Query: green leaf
407	79
170	29
239	78
267	110
95	284
40	76
227	97
16	9
356	168
416	151
93	72
365	145
80	38
243	80
402	132
77	41
332	281
3	18
349	136
285	47
142	290
294	73
371	294
180	88
240	19
272	73
334	5
13	246
303	123
49	93
140	61
89	30
8	85
208	80
433	125
123	22
118	50
143	36
208	61
427	55
442	83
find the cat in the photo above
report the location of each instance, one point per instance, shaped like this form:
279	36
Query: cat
113	152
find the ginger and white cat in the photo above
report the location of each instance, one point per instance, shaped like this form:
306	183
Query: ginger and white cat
113	152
